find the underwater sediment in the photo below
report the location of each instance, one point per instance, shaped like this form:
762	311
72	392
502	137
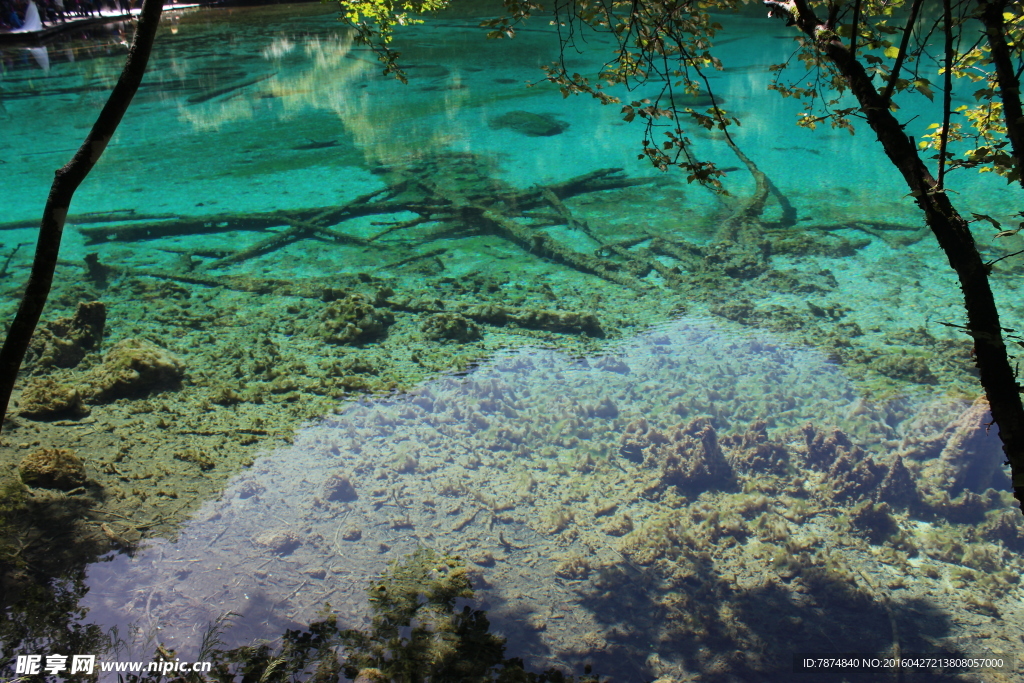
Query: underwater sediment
630	504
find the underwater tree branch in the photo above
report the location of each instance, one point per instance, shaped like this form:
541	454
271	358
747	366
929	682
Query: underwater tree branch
58	202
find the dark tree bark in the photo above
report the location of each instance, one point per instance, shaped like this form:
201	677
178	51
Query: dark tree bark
951	230
58	202
991	15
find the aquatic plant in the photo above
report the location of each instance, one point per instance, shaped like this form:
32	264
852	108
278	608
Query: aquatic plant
12	506
57	468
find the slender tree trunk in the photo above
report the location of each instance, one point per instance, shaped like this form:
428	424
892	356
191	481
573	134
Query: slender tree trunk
951	230
58	202
991	14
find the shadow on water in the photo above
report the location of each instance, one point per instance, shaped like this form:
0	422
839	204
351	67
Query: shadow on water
755	634
427	625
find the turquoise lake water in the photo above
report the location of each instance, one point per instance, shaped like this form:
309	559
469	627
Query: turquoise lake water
700	489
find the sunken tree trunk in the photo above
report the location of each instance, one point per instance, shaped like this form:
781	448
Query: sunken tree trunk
65	182
949	227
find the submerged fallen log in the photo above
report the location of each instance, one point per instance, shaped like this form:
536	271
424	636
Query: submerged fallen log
454	196
178	227
744	226
893	234
93	217
535	242
324	289
225	222
157	227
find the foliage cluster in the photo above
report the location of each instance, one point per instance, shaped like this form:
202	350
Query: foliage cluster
670	42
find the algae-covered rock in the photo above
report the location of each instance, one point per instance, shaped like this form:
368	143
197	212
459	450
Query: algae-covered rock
851	473
740	262
904	367
573	567
64	342
53	468
528	123
279	541
354	320
851	479
134	367
47	350
754	453
569	322
873	521
85	327
370	675
972	456
688	457
1004	526
823	448
45	398
423	622
637	436
450	326
898	487
339	488
739	310
967	508
566	322
620	525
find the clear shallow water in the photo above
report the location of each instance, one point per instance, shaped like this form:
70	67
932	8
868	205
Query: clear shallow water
579	553
519	466
254	85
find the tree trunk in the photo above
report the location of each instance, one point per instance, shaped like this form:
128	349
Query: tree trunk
951	230
58	202
991	14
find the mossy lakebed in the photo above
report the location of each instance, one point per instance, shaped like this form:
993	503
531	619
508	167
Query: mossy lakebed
612	506
613	521
260	357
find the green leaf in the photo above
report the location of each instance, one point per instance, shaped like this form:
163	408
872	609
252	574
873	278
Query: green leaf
892	52
983	217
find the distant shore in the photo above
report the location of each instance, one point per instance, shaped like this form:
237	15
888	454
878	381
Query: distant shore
49	30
